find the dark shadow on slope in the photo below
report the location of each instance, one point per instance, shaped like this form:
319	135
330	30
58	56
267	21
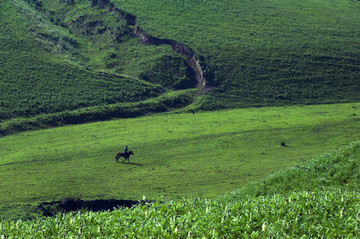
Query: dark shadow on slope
70	204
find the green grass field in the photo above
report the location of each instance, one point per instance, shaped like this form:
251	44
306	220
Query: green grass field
176	155
316	198
244	170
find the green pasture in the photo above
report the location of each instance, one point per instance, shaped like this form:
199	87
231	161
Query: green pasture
245	172
176	155
317	198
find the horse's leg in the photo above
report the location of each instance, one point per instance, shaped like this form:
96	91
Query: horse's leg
123	160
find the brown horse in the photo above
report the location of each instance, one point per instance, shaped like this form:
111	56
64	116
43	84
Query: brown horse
125	155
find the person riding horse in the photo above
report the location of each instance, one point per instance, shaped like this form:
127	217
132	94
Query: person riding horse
126	155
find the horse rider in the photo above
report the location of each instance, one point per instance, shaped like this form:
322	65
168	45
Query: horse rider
126	150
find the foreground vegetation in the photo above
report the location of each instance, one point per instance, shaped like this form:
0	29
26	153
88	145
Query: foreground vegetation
318	198
176	155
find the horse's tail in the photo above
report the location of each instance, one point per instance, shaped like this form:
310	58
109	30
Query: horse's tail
117	156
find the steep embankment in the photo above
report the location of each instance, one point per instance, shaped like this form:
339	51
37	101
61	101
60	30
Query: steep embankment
191	62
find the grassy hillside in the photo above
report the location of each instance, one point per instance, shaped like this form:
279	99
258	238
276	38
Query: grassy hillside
318	198
34	81
48	74
60	56
265	52
176	155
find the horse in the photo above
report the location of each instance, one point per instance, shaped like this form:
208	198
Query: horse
125	155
